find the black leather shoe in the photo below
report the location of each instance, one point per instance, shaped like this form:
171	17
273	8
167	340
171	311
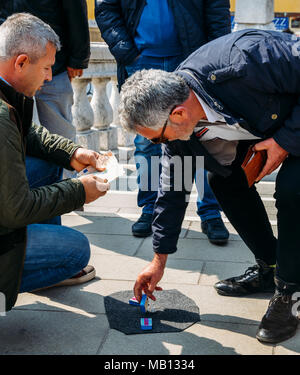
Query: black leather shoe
258	278
142	227
215	230
279	323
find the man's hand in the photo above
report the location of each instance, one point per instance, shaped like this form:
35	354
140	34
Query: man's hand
94	187
150	276
276	155
83	158
73	73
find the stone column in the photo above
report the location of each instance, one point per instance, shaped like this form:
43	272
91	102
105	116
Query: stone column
254	14
83	116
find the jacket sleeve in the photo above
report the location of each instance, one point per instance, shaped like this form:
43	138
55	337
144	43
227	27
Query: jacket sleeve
273	68
217	18
20	205
51	147
78	38
113	30
171	202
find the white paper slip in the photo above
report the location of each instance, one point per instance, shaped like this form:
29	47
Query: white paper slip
112	169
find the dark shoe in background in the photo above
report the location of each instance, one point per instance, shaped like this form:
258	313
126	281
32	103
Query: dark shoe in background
279	323
143	227
257	279
215	230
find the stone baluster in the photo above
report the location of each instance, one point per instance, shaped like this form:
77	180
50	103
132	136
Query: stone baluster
82	112
97	122
103	114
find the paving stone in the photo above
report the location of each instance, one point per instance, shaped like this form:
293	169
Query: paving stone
85	299
216	308
116	199
100	209
45	332
289	347
216	271
107	244
99	225
127	268
201	249
200	339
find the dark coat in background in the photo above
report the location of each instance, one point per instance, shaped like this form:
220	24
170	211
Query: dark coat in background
68	18
197	22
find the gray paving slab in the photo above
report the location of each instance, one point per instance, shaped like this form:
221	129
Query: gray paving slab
127	268
199	339
99	225
116	199
201	249
51	332
216	271
107	244
84	299
289	347
216	308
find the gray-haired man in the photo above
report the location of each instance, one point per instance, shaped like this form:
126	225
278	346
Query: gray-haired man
35	255
249	81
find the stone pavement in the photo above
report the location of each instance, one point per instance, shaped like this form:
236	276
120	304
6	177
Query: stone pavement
72	320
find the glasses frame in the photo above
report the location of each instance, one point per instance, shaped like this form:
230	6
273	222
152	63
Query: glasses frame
161	139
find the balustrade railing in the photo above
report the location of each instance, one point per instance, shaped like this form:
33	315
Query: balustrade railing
95	111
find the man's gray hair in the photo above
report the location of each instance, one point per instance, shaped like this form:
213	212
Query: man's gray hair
148	96
23	33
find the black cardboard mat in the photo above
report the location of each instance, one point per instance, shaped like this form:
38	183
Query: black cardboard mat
172	312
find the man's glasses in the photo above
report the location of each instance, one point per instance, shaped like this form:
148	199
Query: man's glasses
161	138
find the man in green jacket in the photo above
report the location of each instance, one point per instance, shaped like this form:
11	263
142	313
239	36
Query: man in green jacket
32	255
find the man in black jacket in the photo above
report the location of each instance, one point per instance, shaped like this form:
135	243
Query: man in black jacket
68	18
250	82
160	34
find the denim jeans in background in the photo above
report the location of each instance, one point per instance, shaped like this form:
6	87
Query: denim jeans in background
54	106
207	207
53	252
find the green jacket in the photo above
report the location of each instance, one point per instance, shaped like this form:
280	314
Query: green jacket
20	205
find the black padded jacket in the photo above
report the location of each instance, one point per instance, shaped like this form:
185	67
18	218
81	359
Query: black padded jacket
68	18
197	22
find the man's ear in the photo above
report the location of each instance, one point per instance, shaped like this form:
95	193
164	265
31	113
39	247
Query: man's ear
179	114
21	62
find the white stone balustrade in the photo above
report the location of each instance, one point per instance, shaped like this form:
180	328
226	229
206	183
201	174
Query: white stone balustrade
96	118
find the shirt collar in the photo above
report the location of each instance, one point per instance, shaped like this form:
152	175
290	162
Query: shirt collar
211	115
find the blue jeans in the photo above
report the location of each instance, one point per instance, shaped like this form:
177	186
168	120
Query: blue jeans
53	252
207	207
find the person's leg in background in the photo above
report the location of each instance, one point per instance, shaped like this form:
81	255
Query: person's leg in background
145	150
54	108
209	209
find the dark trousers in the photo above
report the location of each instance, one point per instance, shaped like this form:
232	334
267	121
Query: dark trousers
246	212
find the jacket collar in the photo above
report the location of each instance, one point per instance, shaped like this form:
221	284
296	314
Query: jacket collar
195	84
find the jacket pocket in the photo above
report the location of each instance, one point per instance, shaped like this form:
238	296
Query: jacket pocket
229	72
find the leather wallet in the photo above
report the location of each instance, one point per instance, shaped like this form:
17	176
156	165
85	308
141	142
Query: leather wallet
253	164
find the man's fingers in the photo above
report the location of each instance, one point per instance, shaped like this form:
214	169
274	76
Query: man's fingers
268	169
137	290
